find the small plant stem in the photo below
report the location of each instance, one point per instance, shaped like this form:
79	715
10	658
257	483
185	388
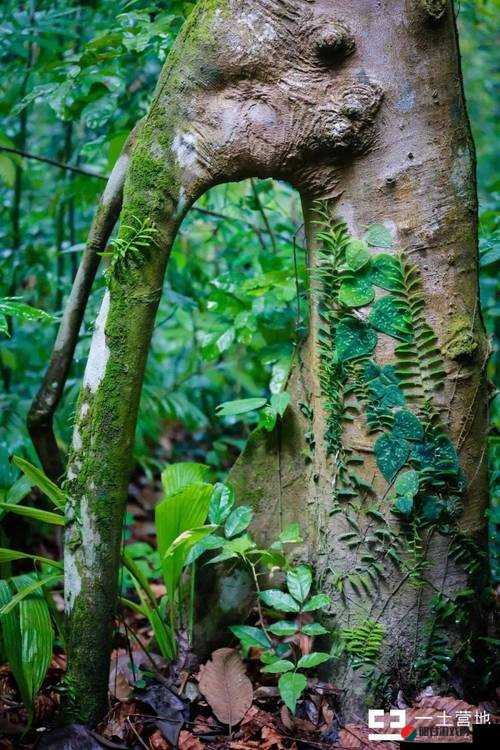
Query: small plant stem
257	587
192	591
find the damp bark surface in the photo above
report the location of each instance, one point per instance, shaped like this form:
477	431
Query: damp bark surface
362	108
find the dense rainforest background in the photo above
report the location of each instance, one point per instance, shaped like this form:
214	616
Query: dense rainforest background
76	77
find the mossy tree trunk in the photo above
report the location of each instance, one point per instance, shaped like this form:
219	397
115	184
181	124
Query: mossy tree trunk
363	110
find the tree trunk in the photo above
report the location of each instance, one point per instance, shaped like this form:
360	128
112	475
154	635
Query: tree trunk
361	108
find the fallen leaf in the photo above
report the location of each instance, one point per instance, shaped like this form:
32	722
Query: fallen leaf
271	739
286	718
188	741
354	736
226	687
172	710
158	742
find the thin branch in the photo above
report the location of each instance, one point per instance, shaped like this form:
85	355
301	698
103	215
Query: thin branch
263	214
52	162
41	414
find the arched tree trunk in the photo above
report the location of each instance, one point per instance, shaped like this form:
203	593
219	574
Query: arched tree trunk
358	105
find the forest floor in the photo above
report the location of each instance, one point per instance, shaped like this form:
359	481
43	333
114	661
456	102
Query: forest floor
155	706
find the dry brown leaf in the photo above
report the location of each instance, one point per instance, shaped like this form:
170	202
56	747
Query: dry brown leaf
355	737
188	741
271	739
286	718
158	742
225	685
437	708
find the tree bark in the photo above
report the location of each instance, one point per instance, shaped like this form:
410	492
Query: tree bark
362	108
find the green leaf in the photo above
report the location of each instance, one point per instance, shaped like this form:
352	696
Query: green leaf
356	292
250	636
313	628
238	547
280	665
378	235
283	628
28	638
240	406
354	339
188	539
391	455
312	660
36	513
279	600
432	507
9	555
298	581
290	534
7	170
404	504
386	316
186	509
407	483
36	584
37	477
221	502
238	520
177	476
267	418
357	255
13	306
280	401
318	601
407	425
385	272
207	543
291	686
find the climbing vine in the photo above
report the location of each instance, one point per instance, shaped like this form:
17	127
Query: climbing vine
362	294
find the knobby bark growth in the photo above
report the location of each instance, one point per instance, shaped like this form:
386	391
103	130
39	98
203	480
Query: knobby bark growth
359	105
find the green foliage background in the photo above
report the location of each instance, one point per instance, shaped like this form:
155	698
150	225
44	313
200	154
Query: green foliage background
76	78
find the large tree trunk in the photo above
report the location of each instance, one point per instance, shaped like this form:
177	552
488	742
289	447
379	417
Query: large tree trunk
360	105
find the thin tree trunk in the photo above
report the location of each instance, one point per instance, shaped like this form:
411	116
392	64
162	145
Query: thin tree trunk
363	109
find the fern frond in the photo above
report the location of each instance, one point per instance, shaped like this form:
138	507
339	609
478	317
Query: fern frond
130	250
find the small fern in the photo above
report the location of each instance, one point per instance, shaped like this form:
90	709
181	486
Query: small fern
129	251
363	642
419	361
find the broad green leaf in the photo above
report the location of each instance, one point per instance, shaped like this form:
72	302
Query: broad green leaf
407	425
291	686
354	339
239	547
267	418
250	636
386	316
357	255
378	235
407	483
391	455
185	541
312	660
313	628
16	493
404	504
36	584
240	406
280	401
36	513
37	477
221	503
238	520
298	581
280	665
177	476
385	272
207	543
283	628
8	555
356	292
15	307
186	509
12	645
318	601
7	170
279	600
290	534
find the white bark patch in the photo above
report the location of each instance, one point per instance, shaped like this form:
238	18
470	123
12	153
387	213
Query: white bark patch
99	351
90	536
184	149
72	580
116	179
